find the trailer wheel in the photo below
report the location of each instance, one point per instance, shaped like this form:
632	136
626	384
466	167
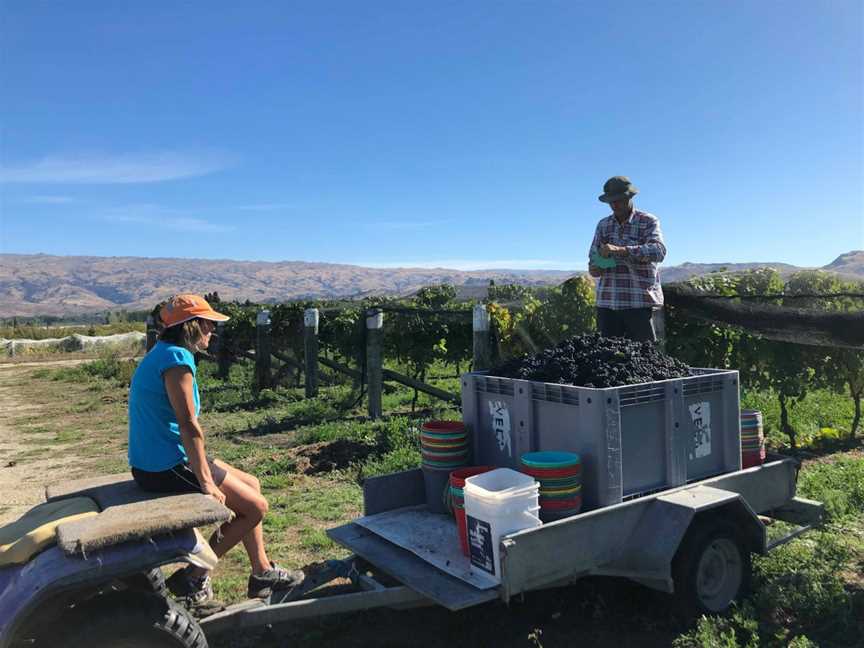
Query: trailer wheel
711	568
130	620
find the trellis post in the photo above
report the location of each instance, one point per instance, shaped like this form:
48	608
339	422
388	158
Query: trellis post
152	332
262	350
482	350
310	345
374	360
223	358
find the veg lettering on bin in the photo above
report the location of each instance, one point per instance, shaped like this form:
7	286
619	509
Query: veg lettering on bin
501	425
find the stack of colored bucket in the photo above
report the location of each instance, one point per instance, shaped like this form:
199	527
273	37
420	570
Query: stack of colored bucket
752	439
444	447
560	477
457	499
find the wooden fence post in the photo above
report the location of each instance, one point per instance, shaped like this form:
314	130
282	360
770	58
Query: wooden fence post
374	360
152	332
223	357
262	350
310	345
482	350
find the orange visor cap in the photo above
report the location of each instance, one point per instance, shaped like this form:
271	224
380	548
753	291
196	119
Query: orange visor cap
183	308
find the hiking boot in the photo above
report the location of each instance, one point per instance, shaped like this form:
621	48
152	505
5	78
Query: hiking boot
275	578
193	590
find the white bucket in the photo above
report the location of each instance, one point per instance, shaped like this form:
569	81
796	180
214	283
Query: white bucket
497	503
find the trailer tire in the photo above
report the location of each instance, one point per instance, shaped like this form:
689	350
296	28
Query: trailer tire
711	568
130	619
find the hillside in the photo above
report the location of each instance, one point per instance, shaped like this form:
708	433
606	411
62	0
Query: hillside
850	263
56	285
60	285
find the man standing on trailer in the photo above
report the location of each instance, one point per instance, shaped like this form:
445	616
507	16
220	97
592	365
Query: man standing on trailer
624	255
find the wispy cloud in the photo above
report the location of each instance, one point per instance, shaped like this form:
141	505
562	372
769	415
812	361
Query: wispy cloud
404	225
158	217
124	168
266	207
48	200
493	264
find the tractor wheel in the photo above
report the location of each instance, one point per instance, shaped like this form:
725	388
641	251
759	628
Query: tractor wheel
711	568
130	619
149	581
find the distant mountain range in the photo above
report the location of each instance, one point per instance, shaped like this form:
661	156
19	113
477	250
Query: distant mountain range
65	285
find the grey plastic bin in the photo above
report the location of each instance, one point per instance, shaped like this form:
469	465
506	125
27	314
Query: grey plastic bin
633	440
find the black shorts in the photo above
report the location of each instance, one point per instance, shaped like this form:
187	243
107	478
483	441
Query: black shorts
179	479
634	323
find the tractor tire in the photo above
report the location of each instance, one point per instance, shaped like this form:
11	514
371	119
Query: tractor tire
130	619
711	568
149	581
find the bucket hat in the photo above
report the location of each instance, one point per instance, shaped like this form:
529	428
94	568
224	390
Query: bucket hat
182	308
618	188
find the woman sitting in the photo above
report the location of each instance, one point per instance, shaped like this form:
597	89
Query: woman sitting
167	453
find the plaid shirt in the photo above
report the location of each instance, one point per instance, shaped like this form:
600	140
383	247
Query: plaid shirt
635	281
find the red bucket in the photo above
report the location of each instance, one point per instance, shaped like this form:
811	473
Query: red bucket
457	480
575	503
541	473
750	459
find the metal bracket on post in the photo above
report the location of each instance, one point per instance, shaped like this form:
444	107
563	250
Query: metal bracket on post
482	351
310	346
374	360
262	350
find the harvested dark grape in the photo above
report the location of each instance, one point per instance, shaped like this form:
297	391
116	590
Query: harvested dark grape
595	361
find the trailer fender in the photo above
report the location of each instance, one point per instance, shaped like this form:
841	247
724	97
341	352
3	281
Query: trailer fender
648	553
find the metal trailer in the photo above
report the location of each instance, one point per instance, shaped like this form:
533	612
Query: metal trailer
693	540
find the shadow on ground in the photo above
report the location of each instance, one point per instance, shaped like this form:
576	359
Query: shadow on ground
596	613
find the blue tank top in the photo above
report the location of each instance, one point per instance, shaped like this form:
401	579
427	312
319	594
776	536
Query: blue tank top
154	435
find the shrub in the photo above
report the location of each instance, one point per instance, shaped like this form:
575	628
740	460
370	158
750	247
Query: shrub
108	367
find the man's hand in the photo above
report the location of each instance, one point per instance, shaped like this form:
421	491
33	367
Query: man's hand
609	250
212	489
594	271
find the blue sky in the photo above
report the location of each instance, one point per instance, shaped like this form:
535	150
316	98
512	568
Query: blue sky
463	134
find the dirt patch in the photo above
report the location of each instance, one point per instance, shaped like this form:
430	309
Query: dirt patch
326	456
30	457
22	483
854	453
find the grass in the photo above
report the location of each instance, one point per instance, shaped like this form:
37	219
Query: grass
806	593
839	484
821	416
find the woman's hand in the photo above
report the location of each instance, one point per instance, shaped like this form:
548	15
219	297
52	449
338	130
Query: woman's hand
210	488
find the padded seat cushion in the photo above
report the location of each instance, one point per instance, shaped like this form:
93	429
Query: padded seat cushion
129	513
124	522
107	490
35	530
